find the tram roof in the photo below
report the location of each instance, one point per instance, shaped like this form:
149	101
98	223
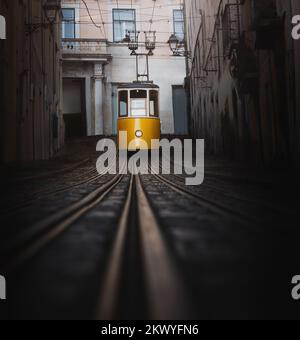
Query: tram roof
138	86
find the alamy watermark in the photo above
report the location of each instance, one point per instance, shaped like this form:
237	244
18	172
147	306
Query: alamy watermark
296	27
2	288
2	28
188	158
296	289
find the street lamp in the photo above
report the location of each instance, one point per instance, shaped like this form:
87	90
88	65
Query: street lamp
174	44
51	9
178	47
150	41
132	37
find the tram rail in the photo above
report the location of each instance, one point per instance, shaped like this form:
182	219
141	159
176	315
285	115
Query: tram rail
28	243
163	288
49	192
51	173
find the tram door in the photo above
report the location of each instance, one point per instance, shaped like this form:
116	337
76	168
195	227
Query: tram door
180	110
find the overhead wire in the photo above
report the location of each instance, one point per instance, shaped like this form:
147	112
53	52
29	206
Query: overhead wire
89	13
153	11
150	28
155	18
102	19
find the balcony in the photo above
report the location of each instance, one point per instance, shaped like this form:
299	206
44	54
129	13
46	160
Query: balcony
85	50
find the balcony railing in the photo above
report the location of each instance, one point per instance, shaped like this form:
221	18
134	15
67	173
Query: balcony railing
84	48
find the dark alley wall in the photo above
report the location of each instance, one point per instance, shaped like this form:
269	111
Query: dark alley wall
244	78
30	81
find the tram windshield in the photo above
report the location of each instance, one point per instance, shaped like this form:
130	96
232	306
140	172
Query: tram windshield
138	103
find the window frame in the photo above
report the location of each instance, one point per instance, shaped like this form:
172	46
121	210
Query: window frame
65	21
127	104
144	99
120	21
176	21
156	104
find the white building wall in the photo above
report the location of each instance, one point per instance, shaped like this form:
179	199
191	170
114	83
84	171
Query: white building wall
165	70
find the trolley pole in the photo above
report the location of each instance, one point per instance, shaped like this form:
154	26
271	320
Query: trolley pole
132	38
142	75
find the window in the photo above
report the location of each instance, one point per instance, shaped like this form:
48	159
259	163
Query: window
178	19
124	20
153	102
123	103
68	23
138	101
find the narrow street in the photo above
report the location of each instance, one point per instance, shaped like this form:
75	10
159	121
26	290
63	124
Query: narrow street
85	87
78	245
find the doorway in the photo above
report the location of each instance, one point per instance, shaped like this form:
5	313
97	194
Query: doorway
74	108
180	110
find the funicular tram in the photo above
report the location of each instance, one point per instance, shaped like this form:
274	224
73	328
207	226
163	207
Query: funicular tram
138	114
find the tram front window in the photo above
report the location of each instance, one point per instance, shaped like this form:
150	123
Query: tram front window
123	103
138	103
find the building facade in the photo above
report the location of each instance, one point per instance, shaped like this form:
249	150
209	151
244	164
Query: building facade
31	125
244	77
96	60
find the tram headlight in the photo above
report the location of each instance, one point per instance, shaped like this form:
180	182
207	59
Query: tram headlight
139	134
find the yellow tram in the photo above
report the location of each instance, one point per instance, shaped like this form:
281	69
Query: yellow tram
138	115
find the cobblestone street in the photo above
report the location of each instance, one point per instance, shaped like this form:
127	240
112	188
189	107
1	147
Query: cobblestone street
76	244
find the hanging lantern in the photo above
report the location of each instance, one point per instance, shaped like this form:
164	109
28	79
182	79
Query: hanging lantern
133	41
150	41
174	44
